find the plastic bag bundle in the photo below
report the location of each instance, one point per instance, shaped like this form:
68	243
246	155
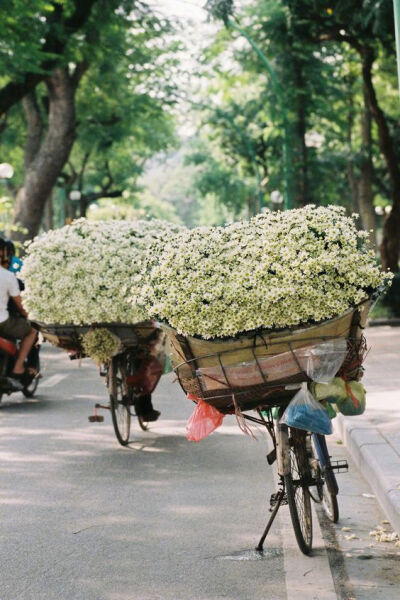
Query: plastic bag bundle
354	403
204	420
325	359
304	412
348	396
330	392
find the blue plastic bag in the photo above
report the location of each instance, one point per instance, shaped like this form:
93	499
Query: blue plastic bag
304	412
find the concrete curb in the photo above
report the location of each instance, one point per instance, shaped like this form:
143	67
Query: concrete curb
377	461
393	322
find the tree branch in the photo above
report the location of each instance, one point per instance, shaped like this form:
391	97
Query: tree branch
82	170
78	73
89	198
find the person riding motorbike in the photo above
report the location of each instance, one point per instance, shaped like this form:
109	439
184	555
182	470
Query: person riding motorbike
14	264
14	326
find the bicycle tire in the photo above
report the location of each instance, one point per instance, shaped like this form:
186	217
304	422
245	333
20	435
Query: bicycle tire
119	401
29	389
297	493
329	488
329	498
143	424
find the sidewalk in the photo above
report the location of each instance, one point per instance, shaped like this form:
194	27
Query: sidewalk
373	439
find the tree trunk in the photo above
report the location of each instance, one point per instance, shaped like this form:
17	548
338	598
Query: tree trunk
365	196
390	246
34	129
50	156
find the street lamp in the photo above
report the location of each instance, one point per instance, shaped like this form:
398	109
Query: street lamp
276	199
6	171
75	195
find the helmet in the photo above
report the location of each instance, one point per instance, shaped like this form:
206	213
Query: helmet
10	247
9	260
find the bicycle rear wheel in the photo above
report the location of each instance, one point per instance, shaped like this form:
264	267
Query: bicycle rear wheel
298	495
119	400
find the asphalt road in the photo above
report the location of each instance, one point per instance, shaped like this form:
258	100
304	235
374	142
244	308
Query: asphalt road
82	518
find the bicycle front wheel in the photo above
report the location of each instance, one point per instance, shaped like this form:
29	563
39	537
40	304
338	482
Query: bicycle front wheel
329	491
119	400
329	498
30	386
297	493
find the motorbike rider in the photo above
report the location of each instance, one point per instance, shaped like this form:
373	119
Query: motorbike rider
12	326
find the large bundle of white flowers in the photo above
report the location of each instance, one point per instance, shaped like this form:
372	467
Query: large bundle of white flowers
277	270
86	272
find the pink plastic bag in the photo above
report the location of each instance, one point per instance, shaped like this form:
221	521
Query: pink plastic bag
204	420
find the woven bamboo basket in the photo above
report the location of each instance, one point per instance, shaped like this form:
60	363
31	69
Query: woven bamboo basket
259	368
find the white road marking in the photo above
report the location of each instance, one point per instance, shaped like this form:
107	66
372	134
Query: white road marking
52	381
307	577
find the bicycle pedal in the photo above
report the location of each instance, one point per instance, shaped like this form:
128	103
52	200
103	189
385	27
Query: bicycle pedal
275	498
340	466
96	418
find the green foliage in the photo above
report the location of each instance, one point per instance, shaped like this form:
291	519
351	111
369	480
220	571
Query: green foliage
311	47
122	122
131	207
391	299
217	180
220	9
123	102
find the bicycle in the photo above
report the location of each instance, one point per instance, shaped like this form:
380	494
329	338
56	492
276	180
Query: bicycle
131	375
263	370
304	474
122	376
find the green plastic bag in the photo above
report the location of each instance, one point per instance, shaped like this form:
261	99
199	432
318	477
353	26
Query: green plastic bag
354	403
330	392
273	411
329	408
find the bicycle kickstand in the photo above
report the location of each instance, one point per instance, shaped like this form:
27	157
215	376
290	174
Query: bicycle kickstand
276	501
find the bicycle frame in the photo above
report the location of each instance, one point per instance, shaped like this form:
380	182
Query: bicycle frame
282	448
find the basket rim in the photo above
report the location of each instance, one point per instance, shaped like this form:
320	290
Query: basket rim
73	328
285	331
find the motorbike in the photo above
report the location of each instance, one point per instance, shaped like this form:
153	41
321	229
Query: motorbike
29	383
